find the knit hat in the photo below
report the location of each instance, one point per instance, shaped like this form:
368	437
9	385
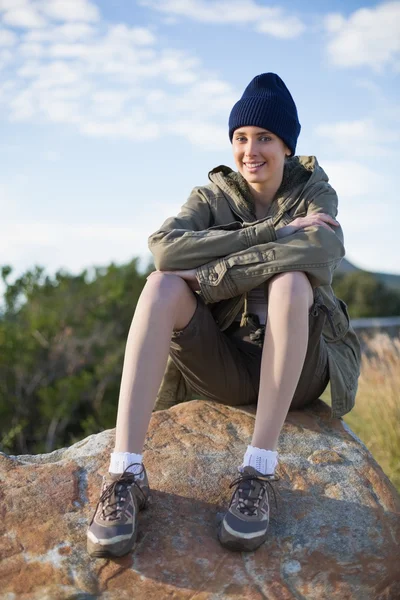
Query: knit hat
267	103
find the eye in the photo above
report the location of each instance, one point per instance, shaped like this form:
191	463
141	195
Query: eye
240	138
265	138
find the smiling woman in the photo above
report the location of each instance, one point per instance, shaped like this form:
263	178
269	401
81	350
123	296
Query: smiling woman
240	311
260	157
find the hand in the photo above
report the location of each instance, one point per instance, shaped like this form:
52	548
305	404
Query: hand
188	275
314	219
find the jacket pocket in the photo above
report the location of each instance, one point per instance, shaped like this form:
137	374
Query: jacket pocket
216	273
252	256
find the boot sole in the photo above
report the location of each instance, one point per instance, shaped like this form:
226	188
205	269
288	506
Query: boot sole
237	544
98	551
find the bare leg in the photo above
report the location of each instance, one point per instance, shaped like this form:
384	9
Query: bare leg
290	297
166	303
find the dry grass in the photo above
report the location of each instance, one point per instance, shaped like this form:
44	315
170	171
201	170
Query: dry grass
375	418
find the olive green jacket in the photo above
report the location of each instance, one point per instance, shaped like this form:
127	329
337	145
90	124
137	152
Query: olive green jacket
218	234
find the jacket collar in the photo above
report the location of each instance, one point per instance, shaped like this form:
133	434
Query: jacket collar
298	171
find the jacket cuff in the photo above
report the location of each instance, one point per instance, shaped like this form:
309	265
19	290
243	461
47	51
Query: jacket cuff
263	233
214	282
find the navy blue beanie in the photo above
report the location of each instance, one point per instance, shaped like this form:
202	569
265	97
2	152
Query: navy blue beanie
267	103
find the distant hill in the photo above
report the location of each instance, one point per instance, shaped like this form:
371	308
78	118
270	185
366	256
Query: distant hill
391	281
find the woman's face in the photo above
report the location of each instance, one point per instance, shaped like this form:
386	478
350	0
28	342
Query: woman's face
259	156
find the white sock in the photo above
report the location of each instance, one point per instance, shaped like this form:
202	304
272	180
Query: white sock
121	460
265	461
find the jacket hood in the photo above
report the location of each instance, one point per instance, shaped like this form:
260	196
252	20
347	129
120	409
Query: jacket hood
298	171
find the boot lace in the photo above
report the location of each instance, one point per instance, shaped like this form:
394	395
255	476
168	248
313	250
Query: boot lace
113	497
248	502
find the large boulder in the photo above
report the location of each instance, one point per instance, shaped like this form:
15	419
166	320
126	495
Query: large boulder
334	534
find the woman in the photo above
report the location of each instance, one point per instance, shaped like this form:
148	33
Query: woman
260	242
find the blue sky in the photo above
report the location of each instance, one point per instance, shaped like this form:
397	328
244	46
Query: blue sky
112	111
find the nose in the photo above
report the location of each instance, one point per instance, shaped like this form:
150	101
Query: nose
250	148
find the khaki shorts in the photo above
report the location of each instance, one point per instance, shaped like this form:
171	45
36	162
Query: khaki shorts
224	366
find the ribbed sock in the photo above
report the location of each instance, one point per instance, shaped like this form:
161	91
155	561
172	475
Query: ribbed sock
121	460
265	461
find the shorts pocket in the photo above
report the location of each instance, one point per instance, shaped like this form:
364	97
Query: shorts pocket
338	322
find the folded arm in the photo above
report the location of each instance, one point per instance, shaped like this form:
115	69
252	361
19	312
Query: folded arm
188	240
316	250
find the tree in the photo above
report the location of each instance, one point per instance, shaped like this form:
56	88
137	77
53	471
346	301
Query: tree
62	343
366	296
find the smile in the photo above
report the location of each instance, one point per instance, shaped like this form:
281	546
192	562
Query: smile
253	166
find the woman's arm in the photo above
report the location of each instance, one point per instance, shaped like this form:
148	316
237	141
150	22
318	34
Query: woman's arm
188	240
316	250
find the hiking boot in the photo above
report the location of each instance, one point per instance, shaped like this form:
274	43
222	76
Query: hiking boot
244	526
113	528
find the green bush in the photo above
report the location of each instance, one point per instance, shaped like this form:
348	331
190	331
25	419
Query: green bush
62	343
366	296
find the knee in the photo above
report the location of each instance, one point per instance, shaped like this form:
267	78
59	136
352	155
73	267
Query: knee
166	287
291	284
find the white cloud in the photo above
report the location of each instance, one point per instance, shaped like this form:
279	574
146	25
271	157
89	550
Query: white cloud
26	17
207	98
31	50
70	10
9	4
23	106
134	127
50	75
368	37
63	245
360	138
70	32
284	27
366	214
107	80
7	37
36	14
122	34
201	134
7	87
365	210
271	20
6	57
352	179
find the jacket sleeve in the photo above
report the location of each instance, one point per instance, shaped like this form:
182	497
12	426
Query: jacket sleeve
189	240
313	250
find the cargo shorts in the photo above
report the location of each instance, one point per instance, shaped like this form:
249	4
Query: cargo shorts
225	366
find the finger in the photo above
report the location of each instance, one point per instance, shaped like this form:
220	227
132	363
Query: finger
317	222
323	221
328	218
327	227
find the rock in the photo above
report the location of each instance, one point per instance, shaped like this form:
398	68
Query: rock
334	535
